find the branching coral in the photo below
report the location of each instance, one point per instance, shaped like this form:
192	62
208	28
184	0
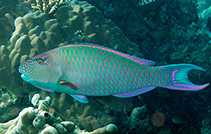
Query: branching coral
47	6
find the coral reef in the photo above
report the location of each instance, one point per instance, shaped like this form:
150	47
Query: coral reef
96	29
73	22
37	120
164	28
7	103
28	39
92	115
169	32
11	105
166	31
206	123
145	2
7	7
6	28
204	11
47	6
204	8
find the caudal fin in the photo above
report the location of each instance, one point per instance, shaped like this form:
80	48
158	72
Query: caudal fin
180	79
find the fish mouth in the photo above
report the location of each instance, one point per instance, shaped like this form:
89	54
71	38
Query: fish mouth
24	77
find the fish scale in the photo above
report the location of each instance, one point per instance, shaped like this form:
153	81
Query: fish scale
104	61
108	82
91	70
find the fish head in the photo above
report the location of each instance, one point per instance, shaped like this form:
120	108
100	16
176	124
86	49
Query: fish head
41	71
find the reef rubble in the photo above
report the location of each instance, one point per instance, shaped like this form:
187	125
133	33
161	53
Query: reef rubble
37	119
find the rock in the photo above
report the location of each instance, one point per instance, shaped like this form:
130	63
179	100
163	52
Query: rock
31	120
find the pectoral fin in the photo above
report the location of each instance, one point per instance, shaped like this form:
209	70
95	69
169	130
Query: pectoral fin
80	98
68	84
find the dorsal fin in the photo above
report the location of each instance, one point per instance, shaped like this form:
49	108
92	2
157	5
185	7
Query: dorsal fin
141	61
136	59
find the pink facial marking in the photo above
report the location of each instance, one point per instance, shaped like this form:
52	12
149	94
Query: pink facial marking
45	61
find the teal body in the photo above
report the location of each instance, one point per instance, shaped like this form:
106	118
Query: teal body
89	70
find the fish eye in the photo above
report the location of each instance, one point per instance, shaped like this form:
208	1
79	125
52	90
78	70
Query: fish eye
39	62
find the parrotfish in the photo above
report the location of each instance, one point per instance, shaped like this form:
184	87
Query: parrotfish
82	70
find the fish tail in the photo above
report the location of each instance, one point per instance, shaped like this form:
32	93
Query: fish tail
180	79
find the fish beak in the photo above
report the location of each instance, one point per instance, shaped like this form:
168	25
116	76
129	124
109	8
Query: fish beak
22	75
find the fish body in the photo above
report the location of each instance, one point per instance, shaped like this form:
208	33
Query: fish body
90	70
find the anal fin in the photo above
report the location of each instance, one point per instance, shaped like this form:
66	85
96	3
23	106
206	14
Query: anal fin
80	98
135	93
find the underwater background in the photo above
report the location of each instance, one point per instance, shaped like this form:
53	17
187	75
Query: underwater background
165	31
